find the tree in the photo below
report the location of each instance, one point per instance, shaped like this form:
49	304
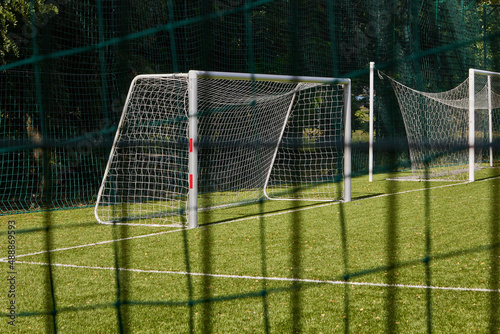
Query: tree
18	19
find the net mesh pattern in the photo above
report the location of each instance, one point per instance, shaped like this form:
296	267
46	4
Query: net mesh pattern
147	174
64	77
437	127
309	163
253	136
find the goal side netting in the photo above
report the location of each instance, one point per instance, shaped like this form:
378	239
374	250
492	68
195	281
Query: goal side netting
248	138
441	145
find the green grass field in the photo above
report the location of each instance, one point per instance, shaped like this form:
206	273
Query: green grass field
404	257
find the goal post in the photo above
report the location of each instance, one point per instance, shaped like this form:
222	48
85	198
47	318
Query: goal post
202	140
486	102
193	150
450	134
370	120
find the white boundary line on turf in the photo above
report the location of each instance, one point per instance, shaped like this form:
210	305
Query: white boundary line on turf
92	244
279	279
250	218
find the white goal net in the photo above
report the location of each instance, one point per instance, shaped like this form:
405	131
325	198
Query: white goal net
450	133
189	142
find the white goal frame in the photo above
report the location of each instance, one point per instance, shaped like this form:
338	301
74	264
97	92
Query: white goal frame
192	78
471	126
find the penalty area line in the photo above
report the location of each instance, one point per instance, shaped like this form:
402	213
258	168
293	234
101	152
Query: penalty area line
278	279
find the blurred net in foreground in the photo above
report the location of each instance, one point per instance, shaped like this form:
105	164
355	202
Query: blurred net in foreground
62	90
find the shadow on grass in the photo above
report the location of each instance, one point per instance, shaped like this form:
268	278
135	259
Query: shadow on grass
235	215
252	209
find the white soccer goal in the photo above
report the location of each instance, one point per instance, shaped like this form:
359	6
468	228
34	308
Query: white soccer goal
448	132
203	140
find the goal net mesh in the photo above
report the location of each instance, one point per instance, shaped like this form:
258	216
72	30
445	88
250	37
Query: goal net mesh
147	170
254	138
437	127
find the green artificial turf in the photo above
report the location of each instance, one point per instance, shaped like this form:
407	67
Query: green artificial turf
402	256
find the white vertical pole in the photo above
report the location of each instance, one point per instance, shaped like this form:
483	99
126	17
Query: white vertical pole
347	142
490	121
471	124
370	147
193	149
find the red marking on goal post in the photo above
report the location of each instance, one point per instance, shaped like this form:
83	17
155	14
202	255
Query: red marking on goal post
190	151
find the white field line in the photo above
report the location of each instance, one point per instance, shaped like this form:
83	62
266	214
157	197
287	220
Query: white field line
92	244
247	218
279	279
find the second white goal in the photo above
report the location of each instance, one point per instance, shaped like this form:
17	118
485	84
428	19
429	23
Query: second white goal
450	134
